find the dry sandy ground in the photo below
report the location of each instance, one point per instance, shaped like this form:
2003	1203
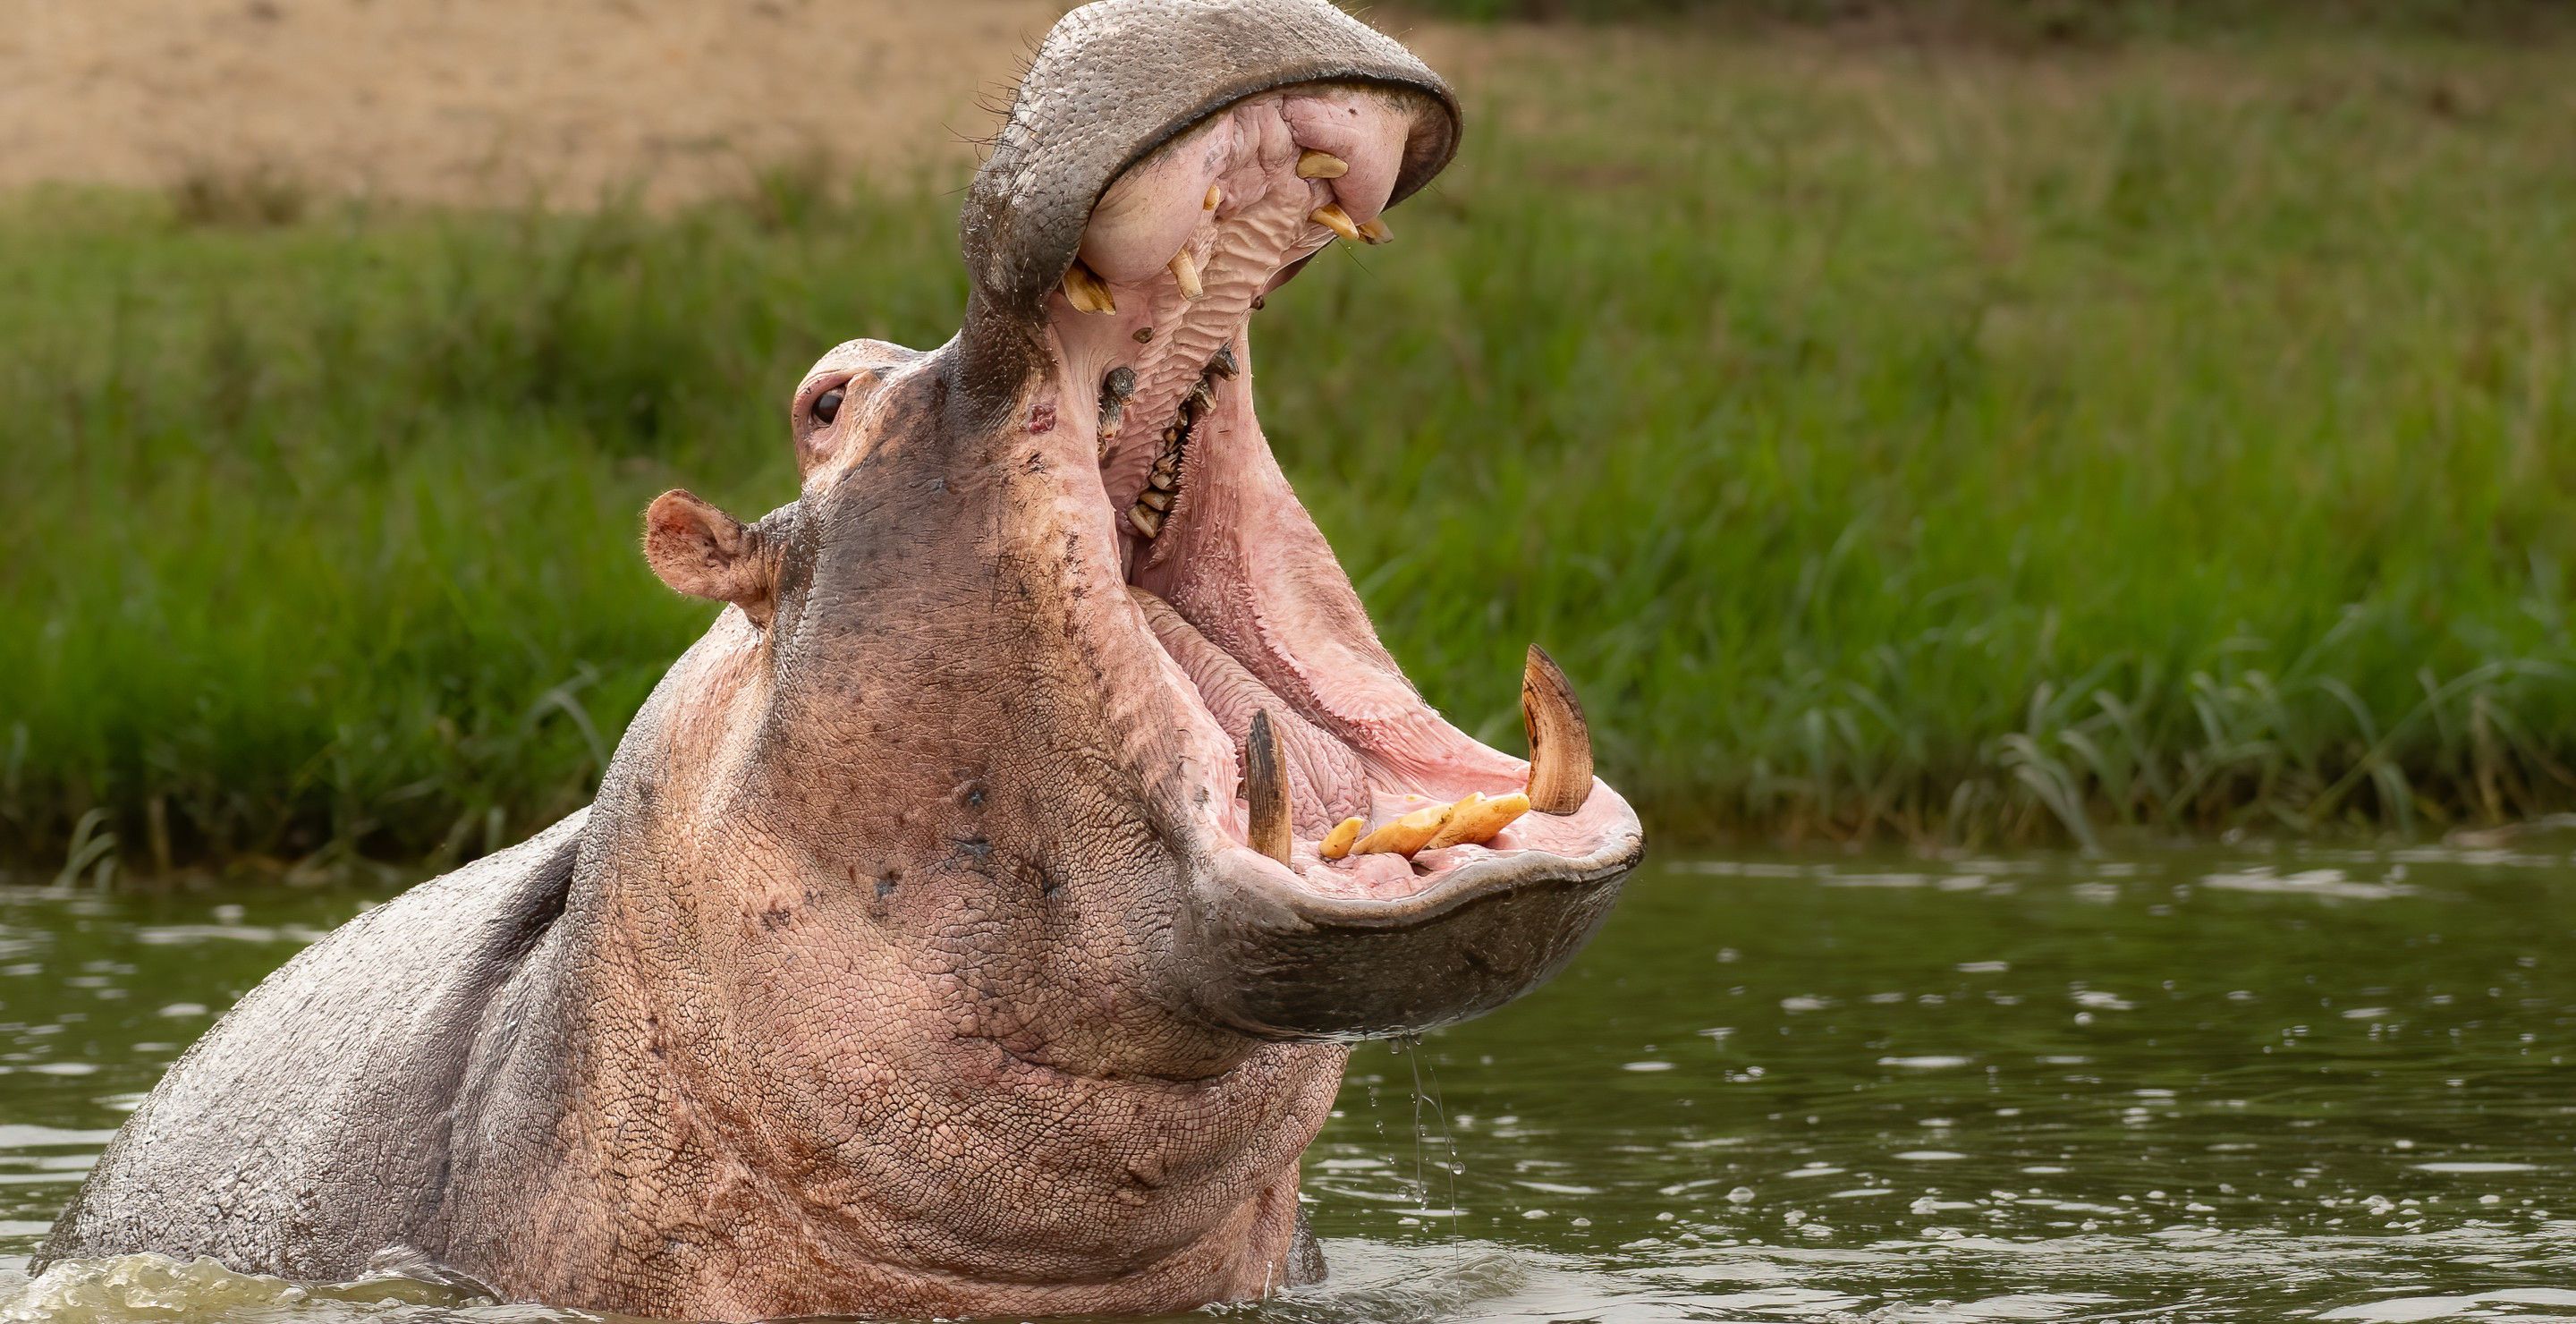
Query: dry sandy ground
489	100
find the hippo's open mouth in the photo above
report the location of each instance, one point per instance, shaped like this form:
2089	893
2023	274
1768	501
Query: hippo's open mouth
1360	790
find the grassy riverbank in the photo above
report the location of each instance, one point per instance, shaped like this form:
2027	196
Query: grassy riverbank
1954	446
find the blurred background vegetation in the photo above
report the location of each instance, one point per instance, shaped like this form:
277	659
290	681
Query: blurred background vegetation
1956	443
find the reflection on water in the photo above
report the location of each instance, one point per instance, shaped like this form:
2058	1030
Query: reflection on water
2184	1087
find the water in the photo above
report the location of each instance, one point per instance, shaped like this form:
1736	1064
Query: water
2209	1086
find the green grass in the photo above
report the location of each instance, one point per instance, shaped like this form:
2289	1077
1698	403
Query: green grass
1959	447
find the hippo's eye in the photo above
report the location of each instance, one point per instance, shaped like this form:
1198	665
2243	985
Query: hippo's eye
827	406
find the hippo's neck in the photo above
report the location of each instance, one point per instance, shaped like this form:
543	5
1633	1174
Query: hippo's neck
716	1171
778	1089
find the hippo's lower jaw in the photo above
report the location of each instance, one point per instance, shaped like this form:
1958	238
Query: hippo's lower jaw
1367	868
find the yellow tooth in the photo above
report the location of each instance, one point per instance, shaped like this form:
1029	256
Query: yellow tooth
1337	843
1476	824
1333	218
1405	835
1187	273
1148	521
1312	164
1447	835
1157	498
1376	232
1215	199
1086	291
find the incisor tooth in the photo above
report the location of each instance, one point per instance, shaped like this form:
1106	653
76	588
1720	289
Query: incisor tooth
1187	273
1312	164
1405	835
1333	218
1560	776
1376	232
1086	291
1447	835
1265	786
1337	843
1476	823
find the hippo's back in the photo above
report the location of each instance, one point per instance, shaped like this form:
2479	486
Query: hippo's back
309	1130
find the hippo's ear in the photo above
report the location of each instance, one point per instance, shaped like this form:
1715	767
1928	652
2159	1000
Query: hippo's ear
706	553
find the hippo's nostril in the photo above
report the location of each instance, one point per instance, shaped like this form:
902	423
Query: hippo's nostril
827	406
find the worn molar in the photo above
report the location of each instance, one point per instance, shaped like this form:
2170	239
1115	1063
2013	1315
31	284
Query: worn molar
1116	388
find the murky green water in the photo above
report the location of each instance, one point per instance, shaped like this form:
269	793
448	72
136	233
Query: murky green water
2305	1084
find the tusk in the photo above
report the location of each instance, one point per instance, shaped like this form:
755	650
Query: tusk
1187	273
1475	820
1405	835
1338	842
1333	218
1376	232
1086	291
1560	775
1265	784
1312	164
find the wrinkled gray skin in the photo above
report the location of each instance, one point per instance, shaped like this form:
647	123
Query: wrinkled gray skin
911	961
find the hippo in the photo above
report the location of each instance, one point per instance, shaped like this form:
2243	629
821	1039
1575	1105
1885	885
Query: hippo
976	920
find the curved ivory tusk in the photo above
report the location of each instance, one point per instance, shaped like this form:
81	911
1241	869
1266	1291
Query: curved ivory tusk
1560	775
